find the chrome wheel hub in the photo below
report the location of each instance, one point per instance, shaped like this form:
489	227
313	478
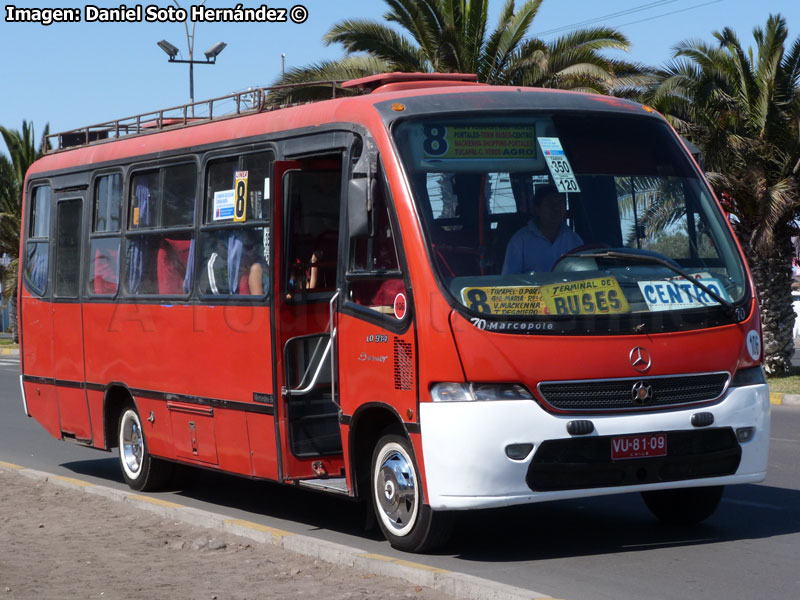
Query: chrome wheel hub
396	491
132	445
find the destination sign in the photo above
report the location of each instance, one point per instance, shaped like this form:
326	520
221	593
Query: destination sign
479	142
678	294
589	296
601	295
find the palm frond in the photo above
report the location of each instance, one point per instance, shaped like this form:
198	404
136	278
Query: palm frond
352	67
379	41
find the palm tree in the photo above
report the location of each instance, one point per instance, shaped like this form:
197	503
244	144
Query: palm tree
23	152
452	36
742	108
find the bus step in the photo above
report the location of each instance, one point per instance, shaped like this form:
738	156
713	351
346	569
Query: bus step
337	485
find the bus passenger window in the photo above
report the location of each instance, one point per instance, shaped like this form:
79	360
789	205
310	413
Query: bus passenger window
180	185
160	264
68	247
38	246
164	197
103	257
234	240
160	258
232	262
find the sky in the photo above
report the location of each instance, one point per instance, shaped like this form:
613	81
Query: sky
77	74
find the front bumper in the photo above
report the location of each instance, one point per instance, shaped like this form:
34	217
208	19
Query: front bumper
466	465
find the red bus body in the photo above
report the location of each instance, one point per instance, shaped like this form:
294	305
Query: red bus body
208	376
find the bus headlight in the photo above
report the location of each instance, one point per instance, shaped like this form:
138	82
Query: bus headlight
471	392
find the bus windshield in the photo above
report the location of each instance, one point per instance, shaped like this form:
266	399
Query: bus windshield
575	214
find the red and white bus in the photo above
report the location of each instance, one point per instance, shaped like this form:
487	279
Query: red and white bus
437	296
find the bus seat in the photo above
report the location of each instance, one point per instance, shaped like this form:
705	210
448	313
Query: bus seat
104	278
173	255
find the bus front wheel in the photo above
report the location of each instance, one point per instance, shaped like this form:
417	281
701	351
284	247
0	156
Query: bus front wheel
407	522
686	506
141	471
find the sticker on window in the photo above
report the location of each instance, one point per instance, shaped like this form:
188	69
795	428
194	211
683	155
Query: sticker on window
601	296
508	300
558	164
240	201
224	204
676	295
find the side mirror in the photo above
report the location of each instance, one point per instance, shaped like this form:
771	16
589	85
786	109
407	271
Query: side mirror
360	196
695	152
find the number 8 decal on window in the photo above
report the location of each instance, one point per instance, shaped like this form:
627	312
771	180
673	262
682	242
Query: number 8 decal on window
240	205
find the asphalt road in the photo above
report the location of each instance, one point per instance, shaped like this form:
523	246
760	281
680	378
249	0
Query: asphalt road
601	548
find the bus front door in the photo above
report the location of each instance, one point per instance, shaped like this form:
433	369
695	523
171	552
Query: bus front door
305	246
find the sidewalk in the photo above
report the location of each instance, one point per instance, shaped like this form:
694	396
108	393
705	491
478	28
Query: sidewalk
65	538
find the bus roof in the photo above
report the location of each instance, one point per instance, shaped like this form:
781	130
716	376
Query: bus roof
174	128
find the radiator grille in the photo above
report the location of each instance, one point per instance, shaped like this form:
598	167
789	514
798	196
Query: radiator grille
618	394
403	365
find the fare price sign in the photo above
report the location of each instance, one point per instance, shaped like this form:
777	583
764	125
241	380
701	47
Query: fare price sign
558	164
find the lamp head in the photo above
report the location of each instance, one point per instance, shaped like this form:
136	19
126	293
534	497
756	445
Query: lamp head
214	51
171	50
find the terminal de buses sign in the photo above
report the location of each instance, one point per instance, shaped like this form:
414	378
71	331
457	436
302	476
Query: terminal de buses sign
601	295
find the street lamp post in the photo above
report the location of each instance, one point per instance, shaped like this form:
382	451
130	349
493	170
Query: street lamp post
172	52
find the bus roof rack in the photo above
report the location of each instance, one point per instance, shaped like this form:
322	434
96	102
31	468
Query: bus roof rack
224	107
374	82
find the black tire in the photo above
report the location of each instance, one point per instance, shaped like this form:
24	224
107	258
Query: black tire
686	506
396	494
142	472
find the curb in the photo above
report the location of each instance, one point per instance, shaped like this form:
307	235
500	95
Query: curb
9	352
458	585
776	398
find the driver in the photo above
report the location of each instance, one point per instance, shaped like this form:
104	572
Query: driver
546	237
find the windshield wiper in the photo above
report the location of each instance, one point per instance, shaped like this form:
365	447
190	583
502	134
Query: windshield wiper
723	304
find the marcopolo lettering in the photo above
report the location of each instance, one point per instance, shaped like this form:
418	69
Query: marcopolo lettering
517	326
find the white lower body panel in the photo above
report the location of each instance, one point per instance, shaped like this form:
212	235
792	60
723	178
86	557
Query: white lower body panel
466	464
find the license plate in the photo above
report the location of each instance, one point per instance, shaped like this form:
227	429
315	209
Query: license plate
639	446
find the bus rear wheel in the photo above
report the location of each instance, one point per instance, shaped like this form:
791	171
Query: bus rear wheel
142	472
396	494
686	506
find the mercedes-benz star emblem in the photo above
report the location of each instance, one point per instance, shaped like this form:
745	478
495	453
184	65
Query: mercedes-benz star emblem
640	359
641	392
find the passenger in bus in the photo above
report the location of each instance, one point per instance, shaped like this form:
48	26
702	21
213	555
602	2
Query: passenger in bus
234	265
546	238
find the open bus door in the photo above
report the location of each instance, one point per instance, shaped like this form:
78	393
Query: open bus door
306	242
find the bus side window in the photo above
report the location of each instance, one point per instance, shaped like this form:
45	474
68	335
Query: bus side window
234	254
103	255
38	244
160	243
68	247
375	279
